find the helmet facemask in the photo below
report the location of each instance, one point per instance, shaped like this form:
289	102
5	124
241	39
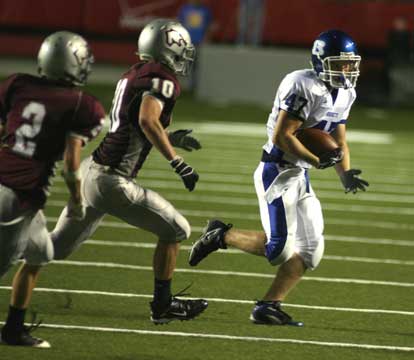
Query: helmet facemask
182	64
340	71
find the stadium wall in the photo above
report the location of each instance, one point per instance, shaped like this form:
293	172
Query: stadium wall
113	25
250	75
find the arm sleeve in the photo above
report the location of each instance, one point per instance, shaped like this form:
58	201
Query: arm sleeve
294	97
88	119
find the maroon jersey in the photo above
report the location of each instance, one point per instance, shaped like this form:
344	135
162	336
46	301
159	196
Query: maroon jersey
125	146
37	115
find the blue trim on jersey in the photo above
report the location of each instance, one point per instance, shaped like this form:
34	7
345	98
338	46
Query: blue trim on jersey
277	153
334	94
277	216
307	181
320	125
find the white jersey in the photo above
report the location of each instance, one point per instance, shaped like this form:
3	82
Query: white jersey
302	94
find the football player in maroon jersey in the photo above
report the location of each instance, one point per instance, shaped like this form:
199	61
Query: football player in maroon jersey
42	119
141	111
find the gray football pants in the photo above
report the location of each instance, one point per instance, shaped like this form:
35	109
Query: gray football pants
23	233
105	192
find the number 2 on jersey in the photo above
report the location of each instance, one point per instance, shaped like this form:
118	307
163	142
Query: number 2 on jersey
24	144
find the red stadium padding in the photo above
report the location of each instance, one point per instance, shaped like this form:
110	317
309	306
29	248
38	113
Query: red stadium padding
59	14
116	22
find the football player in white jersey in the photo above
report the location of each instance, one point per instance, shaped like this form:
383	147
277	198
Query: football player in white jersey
290	212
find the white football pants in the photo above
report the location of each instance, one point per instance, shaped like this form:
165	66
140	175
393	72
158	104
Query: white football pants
291	214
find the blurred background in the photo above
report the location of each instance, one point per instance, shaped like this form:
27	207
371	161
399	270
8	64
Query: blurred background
245	47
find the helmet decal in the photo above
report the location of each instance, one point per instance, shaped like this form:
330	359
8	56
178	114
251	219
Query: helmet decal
65	56
174	37
318	47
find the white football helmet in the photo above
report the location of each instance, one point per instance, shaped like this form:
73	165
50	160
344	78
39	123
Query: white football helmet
65	56
169	43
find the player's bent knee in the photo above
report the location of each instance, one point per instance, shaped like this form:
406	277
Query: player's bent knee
279	250
185	229
182	230
314	257
283	257
39	254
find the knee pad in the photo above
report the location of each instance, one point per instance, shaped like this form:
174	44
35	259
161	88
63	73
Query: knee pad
181	230
39	253
312	257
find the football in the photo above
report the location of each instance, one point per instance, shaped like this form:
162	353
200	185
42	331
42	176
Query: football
316	141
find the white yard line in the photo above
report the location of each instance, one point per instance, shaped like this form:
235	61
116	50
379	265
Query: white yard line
353	239
230	216
219	300
365	240
235	251
248	190
259	130
385	183
339	207
230	273
231	337
339	238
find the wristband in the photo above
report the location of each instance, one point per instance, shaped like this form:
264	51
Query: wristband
72	176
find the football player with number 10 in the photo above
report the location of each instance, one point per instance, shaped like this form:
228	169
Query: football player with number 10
292	236
141	111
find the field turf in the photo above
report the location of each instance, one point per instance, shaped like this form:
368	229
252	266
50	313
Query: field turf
359	304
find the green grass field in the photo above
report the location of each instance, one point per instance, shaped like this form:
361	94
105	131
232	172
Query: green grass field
359	304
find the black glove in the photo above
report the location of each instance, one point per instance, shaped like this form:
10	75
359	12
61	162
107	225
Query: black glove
352	182
181	139
187	173
330	158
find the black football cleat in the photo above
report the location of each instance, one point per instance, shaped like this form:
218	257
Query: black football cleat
178	309
270	313
22	338
210	240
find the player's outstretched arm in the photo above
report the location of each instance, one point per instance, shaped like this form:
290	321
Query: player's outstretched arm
149	115
71	174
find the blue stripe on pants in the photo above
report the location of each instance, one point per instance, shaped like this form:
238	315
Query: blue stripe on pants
277	216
